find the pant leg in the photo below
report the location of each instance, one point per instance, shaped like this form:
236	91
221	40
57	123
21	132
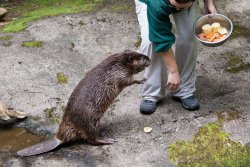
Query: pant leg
154	87
186	50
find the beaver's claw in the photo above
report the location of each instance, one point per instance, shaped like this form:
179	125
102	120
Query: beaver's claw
144	80
140	81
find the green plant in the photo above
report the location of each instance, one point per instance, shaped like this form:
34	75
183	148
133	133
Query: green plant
32	44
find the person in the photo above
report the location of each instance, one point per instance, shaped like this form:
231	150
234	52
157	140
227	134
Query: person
168	70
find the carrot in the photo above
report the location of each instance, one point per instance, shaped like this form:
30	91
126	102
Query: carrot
212	38
217	35
216	40
211	34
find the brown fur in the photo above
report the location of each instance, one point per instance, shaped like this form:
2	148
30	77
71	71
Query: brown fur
94	94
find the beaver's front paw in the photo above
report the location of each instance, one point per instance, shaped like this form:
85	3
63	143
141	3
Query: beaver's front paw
140	81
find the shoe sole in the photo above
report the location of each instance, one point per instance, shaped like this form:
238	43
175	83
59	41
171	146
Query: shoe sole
184	106
147	113
190	109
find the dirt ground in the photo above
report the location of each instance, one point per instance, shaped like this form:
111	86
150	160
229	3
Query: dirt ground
73	44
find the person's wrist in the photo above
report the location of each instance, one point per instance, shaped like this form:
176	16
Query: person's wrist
173	68
173	71
208	1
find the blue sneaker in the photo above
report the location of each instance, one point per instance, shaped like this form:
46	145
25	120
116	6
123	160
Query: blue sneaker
190	103
147	107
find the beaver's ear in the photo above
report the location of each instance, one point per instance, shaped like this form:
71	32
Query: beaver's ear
126	51
127	56
130	58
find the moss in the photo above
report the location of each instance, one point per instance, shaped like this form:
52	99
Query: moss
50	114
7	44
58	99
82	23
210	146
63	108
240	31
61	78
236	64
32	44
36	118
5	38
138	43
32	10
37	9
226	116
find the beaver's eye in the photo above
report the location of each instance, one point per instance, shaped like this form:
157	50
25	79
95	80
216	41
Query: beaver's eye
131	59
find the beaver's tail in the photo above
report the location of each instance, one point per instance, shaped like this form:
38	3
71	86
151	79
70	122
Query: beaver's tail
40	148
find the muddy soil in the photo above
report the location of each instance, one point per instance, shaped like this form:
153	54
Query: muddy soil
73	44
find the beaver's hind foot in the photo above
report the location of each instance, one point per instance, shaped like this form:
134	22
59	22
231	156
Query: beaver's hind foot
103	141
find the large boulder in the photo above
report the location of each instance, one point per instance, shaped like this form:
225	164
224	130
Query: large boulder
3	11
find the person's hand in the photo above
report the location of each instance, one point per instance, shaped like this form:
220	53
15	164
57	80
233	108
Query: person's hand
209	7
173	80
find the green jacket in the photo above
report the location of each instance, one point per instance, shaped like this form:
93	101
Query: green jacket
160	27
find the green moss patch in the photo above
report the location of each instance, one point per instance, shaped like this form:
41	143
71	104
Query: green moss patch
36	118
7	44
32	44
36	9
51	115
226	116
236	64
28	11
61	78
240	31
5	38
82	23
137	44
63	108
209	147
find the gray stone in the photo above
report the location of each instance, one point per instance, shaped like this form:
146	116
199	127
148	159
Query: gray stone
3	11
74	49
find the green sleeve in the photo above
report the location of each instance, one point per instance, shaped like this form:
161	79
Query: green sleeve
160	27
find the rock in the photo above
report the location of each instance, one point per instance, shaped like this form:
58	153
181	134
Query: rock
6	114
3	11
2	24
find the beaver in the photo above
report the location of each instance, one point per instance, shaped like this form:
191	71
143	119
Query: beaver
91	98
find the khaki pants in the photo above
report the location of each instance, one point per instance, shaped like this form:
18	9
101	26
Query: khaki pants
186	54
